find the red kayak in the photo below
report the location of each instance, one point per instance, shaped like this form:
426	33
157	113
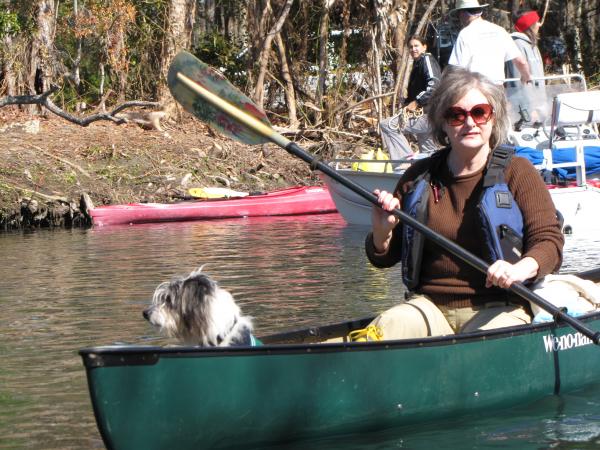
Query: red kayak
283	202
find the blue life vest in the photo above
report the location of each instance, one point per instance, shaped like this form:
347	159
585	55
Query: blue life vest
501	218
499	213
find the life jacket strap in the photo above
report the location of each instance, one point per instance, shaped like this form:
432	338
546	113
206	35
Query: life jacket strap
499	160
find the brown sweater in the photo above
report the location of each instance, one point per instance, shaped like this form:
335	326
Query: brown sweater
445	278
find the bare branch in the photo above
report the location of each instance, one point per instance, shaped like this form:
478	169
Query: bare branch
44	99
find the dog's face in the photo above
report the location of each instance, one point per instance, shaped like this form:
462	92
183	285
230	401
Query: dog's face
194	310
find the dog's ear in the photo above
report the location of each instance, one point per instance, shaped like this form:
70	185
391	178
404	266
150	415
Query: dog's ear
197	272
196	294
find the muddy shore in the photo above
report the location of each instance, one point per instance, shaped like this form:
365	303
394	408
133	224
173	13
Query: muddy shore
51	170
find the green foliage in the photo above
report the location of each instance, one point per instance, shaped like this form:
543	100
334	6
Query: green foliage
593	81
9	23
218	52
70	177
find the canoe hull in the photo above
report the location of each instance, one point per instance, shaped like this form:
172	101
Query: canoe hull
292	201
150	398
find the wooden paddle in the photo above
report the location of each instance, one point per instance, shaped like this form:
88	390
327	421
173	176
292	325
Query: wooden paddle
209	96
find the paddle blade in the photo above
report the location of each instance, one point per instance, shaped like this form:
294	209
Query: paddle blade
210	79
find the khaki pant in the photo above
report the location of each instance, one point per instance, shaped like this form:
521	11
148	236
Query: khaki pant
420	317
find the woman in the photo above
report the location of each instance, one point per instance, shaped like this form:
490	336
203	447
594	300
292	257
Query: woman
532	100
528	26
446	192
424	77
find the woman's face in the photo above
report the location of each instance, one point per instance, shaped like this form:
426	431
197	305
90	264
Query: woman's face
536	27
416	48
470	135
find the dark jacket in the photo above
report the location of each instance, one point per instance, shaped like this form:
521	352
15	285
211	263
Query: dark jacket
424	77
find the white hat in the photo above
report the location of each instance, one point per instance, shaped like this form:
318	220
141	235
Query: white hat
467	4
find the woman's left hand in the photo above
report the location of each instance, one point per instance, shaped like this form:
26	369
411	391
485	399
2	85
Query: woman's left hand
412	106
503	274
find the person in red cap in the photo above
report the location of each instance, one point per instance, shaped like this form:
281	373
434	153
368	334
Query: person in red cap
527	26
532	99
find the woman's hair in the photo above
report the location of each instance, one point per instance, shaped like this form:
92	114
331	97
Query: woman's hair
416	37
456	82
533	37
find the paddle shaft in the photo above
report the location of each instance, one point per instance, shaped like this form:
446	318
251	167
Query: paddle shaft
316	164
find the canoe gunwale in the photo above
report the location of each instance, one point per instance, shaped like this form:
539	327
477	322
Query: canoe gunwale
125	355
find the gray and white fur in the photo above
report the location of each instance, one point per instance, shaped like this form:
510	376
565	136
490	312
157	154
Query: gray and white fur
196	311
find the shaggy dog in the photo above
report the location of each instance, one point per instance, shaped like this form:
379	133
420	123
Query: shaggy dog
195	310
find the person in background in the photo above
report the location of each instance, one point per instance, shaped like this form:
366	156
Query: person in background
424	77
528	26
454	192
533	100
485	47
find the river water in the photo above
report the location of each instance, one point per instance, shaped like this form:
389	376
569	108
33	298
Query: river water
62	290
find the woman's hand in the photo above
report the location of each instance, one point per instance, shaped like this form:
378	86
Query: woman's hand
382	221
412	106
503	274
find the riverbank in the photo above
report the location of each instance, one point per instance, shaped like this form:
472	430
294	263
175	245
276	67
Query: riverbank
52	169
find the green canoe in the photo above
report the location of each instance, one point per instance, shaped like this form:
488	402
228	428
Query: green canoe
293	387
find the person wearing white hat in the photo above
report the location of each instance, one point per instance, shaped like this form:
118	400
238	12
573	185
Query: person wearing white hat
483	46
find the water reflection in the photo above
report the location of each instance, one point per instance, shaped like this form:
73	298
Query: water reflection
64	290
566	421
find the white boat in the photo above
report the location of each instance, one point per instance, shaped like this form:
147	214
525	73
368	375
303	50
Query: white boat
577	204
353	207
570	124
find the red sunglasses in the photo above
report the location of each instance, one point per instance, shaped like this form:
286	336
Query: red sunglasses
480	114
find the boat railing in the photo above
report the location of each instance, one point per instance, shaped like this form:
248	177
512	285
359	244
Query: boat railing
530	110
567	79
573	109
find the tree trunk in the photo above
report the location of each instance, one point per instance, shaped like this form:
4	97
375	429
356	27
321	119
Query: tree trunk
209	13
8	72
290	94
577	57
41	71
78	55
345	35
323	60
263	60
304	19
399	28
102	71
258	12
204	22
404	66
178	31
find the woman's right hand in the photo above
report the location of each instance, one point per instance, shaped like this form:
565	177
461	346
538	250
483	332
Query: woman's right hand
382	221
